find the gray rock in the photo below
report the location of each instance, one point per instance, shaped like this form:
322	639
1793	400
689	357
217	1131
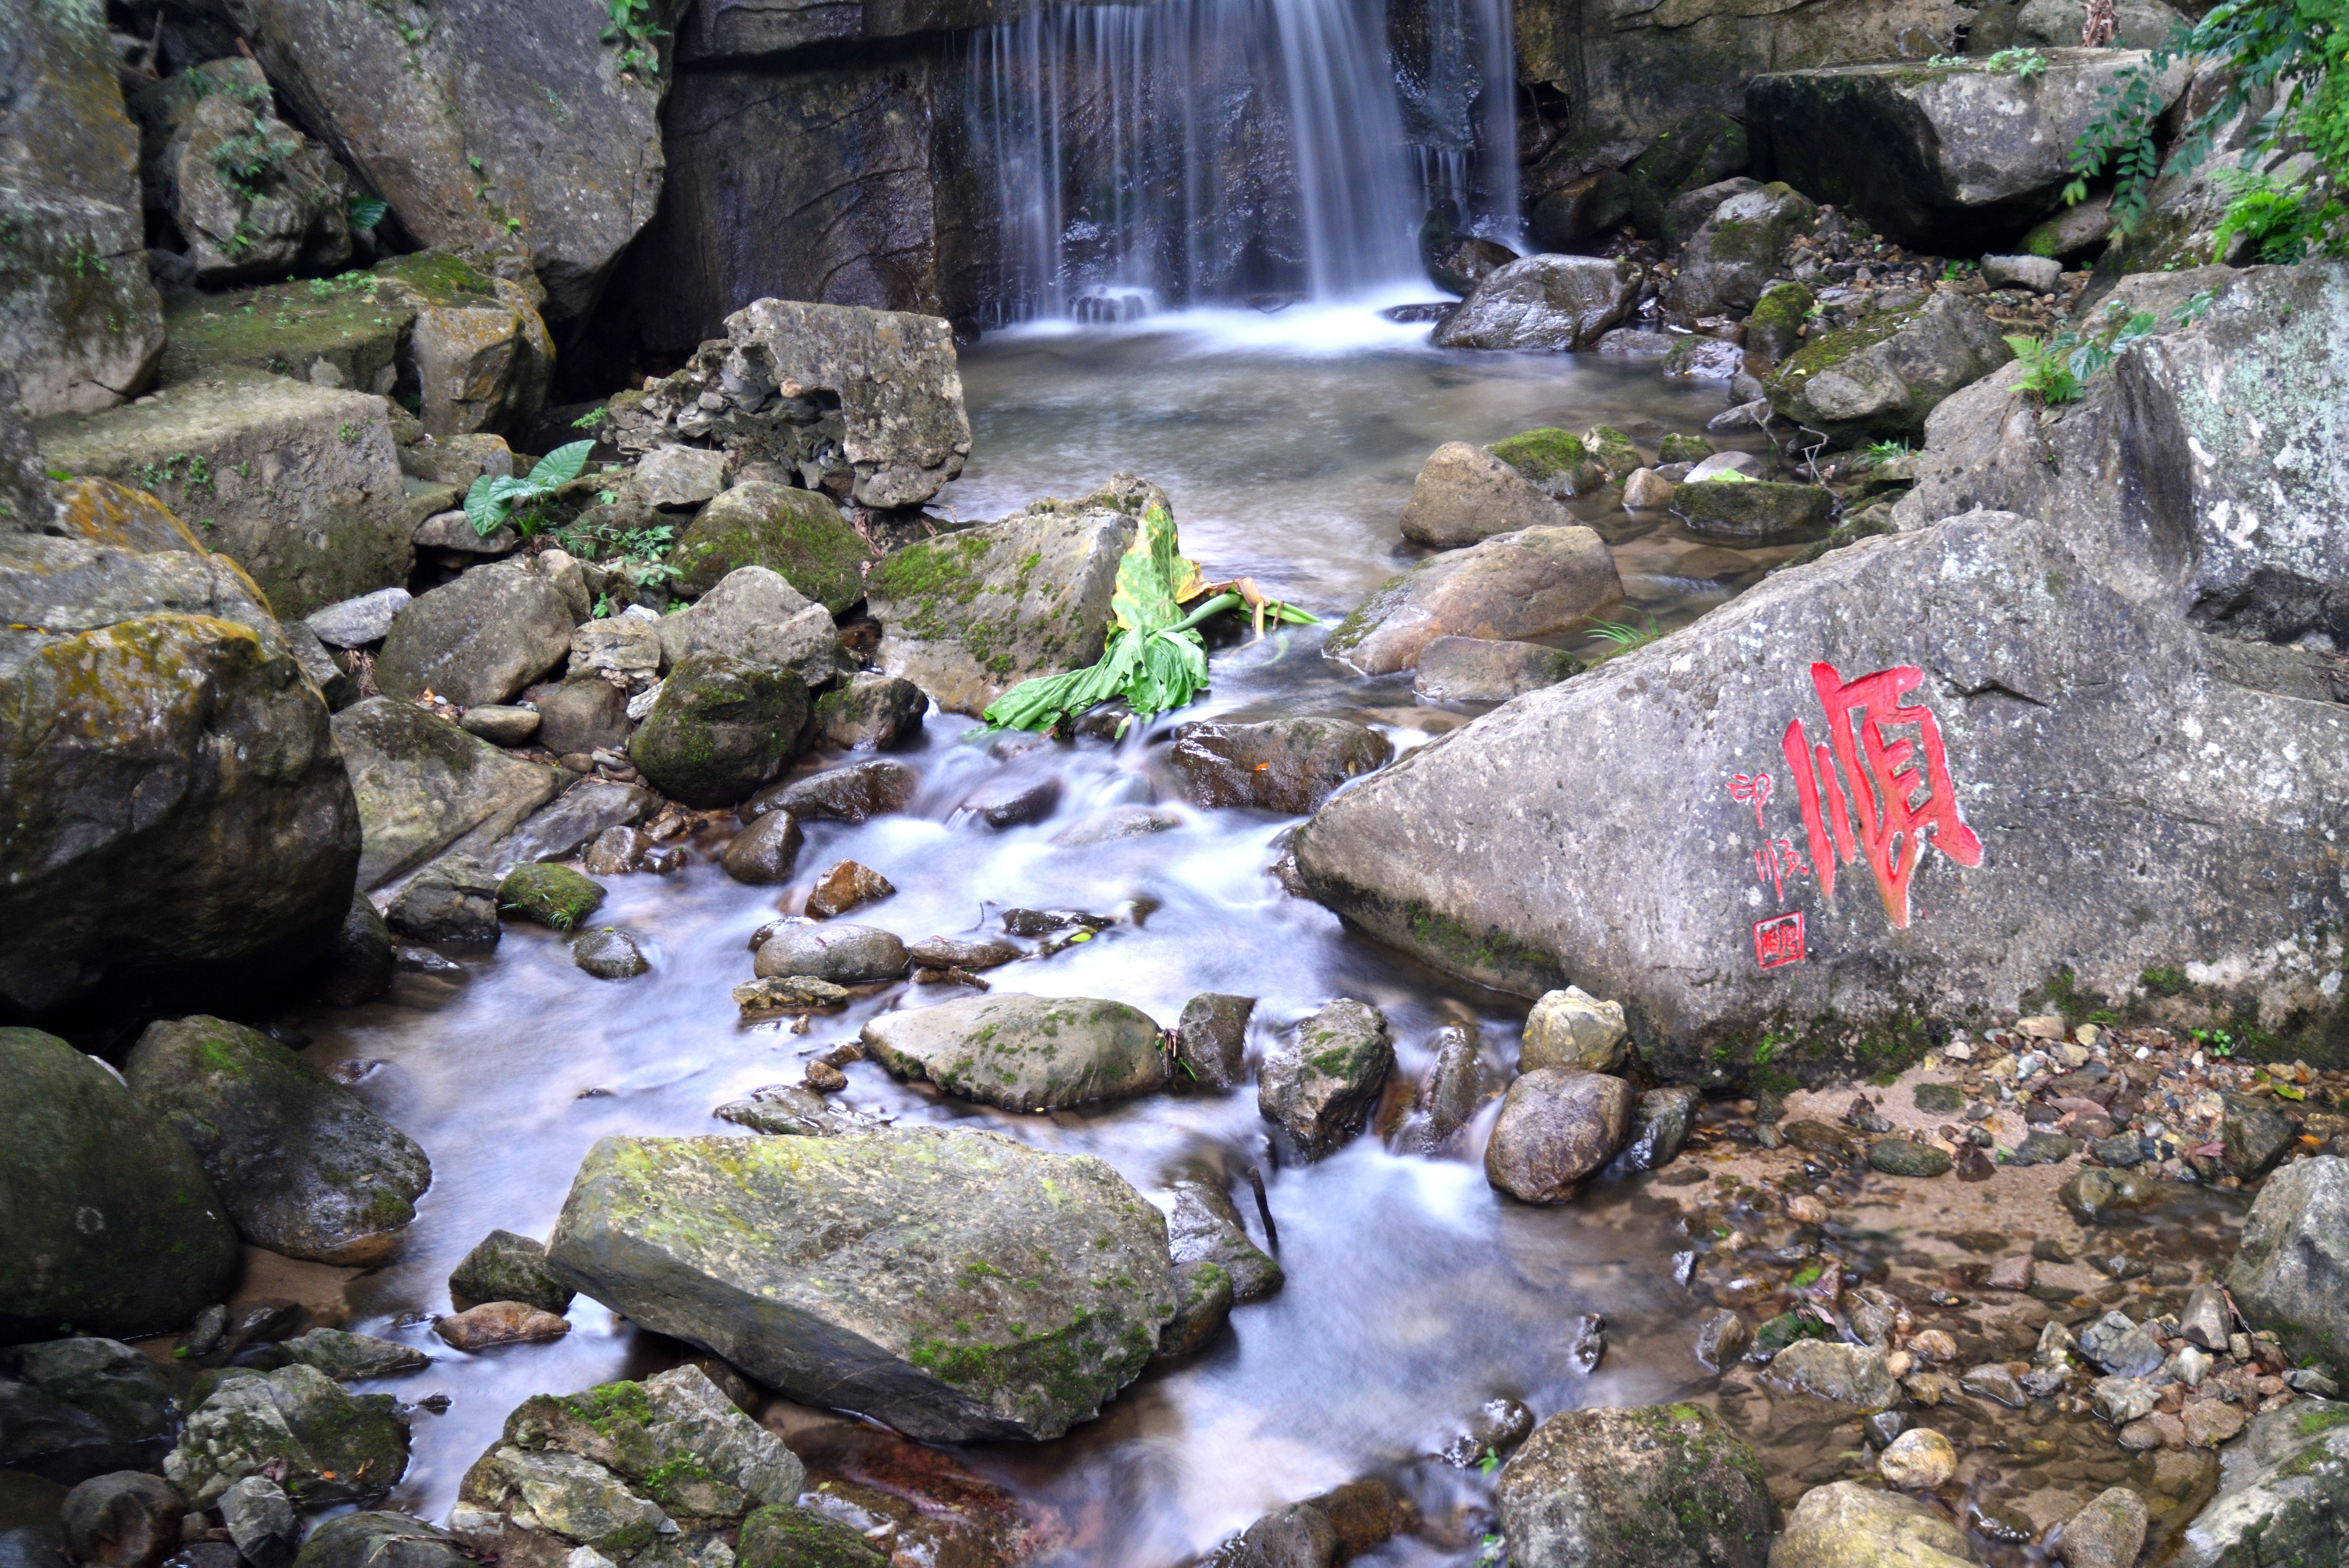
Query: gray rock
2040	274
678	476
338	687
1751	511
1846	1374
476	641
422	784
753	615
1846	1524
453	531
1114	822
2121	1400
2118	1346
1991	1380
1011	801
1555	1128
969	614
850	794
74	1409
797	533
1734	256
1203	1305
260	1521
1320	1078
1685	214
584	717
1659	1125
126	1520
626	645
2045	1149
1452	1093
793	1110
2291	1270
503	1266
379	1540
1906	1157
2253	1135
1022	1053
766	851
1284	764
1211	1039
304	1168
2204	1319
359	967
2107	1533
1882	378
788	1270
952	953
355	622
1465	493
1546	302
835	951
871	713
720	727
608	953
1721	1339
1538	583
1944	156
352	1357
1204	1226
337	1446
2281	1487
1634	1487
1475	669
112	1224
1573	1030
557	831
454	899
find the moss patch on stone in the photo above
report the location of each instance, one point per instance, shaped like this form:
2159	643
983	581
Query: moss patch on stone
558	896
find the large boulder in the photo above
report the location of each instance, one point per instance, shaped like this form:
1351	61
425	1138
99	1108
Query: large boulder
799	533
298	483
1557	1126
423	784
1465	493
334	1446
74	1409
1537	582
107	1221
955	1284
2291	1274
757	616
1948	155
868	403
1733	254
1320	1078
968	615
1848	1525
305	1168
1547	301
82	327
1631	1487
380	1539
160	747
2280	1488
1284	764
720	727
562	176
477	641
1023	1052
1882	378
252	196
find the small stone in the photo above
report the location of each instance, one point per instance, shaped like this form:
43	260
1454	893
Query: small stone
954	952
2121	1400
1846	1374
1805	1210
1901	1157
497	1323
2093	1193
348	1358
1918	1460
2204	1320
355	622
1573	1030
1934	1344
2010	1274
2043	1026
1722	1338
2107	1533
823	1077
1496	1429
126	1518
1994	1381
2045	1149
787	993
501	725
2120	1149
2209	1422
608	953
503	1266
1939	1099
260	1521
1647	491
843	954
2040	274
765	851
2120	1346
1211	1038
844	887
2190	1365
551	895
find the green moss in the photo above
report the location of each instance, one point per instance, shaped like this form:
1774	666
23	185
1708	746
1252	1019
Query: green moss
788	1536
1825	353
2315	1422
552	895
2164	982
1546	454
1679	448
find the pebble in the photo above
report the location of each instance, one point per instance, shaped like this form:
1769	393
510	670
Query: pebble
844	887
1934	1344
608	953
2209	1422
824	1078
1900	1157
497	1323
1918	1460
1994	1381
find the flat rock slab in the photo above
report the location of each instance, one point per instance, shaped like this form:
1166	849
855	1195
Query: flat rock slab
1535	582
1023	1052
955	1284
423	783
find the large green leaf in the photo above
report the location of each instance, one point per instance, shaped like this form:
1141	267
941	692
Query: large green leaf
1149	575
560	467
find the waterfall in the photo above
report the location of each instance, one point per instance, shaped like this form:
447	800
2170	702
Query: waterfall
1187	151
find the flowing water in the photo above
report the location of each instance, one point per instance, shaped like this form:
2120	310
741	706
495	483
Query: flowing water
1415	1292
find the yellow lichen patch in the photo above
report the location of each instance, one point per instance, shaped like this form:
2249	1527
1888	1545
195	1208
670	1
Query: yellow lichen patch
107	513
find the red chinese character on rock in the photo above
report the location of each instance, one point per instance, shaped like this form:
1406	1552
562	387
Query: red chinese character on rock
1779	941
1754	789
1865	784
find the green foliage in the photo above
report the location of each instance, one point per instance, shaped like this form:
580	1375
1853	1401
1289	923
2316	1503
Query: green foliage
1625	637
2025	64
632	28
592	419
2058	369
2296	49
245	158
364	212
493	499
2045	375
2285	222
1884	451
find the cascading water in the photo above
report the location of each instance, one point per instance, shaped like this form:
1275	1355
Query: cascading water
1194	150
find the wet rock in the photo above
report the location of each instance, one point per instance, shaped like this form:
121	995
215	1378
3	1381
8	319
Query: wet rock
336	1446
1573	1030
2045	1149
1900	1157
1013	802
1319	1079
1752	510
1473	669
843	954
2253	1135
2092	1193
352	1357
1464	494
261	1522
782	992
2107	1533
2291	1270
765	851
1023	1052
303	1167
1659	1125
1555	1128
608	953
356	622
422	784
503	1266
1547	301
797	533
846	886
754	1279
1496	1429
1624	1488
454	899
379	1540
2121	1400
100	1188
792	1110
1297	1536
496	1323
2118	1346
2204	1320
2280	1488
2209	1422
1454	1090
477	641
781	1537
758	618
128	1520
1882	378
871	713
1284	764
584	716
1535	582
850	794
1556	462
1722	1338
1116	823
554	896
1211	1039
1734	255
955	952
1845	1524
572	818
1204	1226
1994	1381
1648	490
1918	1460
969	614
1846	1374
720	728
1203	1305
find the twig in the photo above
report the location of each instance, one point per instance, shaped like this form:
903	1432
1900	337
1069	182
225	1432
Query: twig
1263	1211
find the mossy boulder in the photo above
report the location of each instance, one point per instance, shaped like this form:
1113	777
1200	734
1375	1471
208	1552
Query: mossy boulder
380	1539
1730	506
73	1409
1612	451
871	712
1880	378
2282	1488
1635	1488
799	533
1555	461
305	1169
1463	495
337	1446
1736	251
1679	448
283	209
1023	1052
720	728
754	615
108	1223
1774	329
552	895
1320	1078
795	1537
423	784
1545	303
1040	1292
503	1266
1703	149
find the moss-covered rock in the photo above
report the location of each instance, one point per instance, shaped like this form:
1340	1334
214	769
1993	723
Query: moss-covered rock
1203	1304
304	1168
1320	1078
1463	495
871	712
720	728
799	533
1554	460
1023	1052
552	895
1635	1488
1730	506
1612	451
795	1537
1774	329
1693	152
73	1409
503	1266
423	784
1881	377
381	1540
1679	448
1044	1295
1736	250
337	1446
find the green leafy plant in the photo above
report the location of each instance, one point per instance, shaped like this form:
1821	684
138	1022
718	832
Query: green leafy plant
592	419
632	28
1155	659
493	498
1884	451
245	158
1489	1463
2058	369
2285	221
2025	64
1623	638
2047	376
364	212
